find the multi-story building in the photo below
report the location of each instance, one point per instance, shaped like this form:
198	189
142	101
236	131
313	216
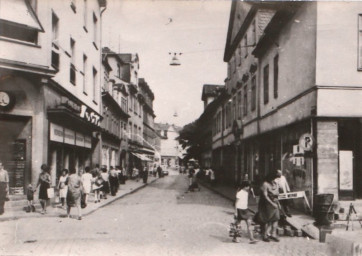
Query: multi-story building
114	111
170	149
50	87
292	97
149	135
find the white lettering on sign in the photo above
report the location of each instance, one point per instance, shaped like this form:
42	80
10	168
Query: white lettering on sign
90	116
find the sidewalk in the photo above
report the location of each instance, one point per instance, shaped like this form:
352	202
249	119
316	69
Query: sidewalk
55	210
298	220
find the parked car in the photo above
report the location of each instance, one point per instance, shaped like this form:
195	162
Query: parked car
164	172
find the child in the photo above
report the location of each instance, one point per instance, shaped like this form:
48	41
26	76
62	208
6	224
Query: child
30	196
241	210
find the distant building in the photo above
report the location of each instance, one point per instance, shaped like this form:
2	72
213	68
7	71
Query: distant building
171	151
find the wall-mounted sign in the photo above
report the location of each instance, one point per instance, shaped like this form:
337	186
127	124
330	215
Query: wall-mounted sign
69	136
306	142
345	170
79	139
90	116
87	141
56	133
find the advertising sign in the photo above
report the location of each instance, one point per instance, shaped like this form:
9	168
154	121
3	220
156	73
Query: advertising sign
56	133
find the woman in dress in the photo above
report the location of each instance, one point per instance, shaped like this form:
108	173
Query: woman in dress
97	183
105	187
87	183
269	214
4	187
44	183
75	187
63	188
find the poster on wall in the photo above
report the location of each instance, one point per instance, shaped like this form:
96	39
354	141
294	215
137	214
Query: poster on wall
345	170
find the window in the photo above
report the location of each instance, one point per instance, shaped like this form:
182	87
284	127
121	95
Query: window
55	48
253	29
95	85
229	69
275	77
85	60
253	93
246	45
135	105
72	66
124	104
119	70
245	102
266	84
360	42
235	57
240	54
234	109
95	34
85	15
239	105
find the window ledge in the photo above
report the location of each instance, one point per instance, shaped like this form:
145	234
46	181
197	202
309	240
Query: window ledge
19	42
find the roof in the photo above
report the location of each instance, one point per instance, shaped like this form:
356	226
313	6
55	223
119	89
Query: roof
210	90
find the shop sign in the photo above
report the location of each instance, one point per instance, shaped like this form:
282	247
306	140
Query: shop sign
69	136
345	170
87	141
90	116
56	133
79	139
306	142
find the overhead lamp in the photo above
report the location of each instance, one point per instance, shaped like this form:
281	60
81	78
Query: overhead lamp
175	61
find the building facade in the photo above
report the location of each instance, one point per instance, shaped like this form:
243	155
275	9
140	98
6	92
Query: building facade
285	106
51	91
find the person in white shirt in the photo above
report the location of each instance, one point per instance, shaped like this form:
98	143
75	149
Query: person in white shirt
283	188
242	211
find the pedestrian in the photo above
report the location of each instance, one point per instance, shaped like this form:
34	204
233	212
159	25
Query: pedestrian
87	183
43	184
30	198
121	177
4	187
145	175
75	187
268	209
63	188
105	186
97	183
212	177
135	174
193	181
283	188
113	181
242	212
159	171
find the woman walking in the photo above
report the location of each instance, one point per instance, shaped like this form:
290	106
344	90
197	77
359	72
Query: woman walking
63	188
97	182
87	183
4	187
269	214
105	186
44	183
75	187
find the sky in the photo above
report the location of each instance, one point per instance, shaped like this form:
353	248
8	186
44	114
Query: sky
198	30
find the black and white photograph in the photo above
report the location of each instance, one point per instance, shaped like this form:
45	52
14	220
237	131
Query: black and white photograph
180	128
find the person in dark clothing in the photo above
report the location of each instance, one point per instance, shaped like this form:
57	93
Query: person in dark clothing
145	175
159	171
113	181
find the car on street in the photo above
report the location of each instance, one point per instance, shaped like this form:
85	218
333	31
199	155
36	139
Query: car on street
164	172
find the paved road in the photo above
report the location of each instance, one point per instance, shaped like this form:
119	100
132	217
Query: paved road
159	220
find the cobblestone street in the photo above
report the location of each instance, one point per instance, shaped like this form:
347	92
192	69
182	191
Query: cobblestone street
160	219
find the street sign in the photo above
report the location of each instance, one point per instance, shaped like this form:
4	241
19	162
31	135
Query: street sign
306	142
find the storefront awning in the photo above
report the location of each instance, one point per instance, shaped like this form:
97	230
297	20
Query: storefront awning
21	13
142	157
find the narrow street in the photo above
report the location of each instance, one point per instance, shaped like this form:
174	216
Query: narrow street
160	219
